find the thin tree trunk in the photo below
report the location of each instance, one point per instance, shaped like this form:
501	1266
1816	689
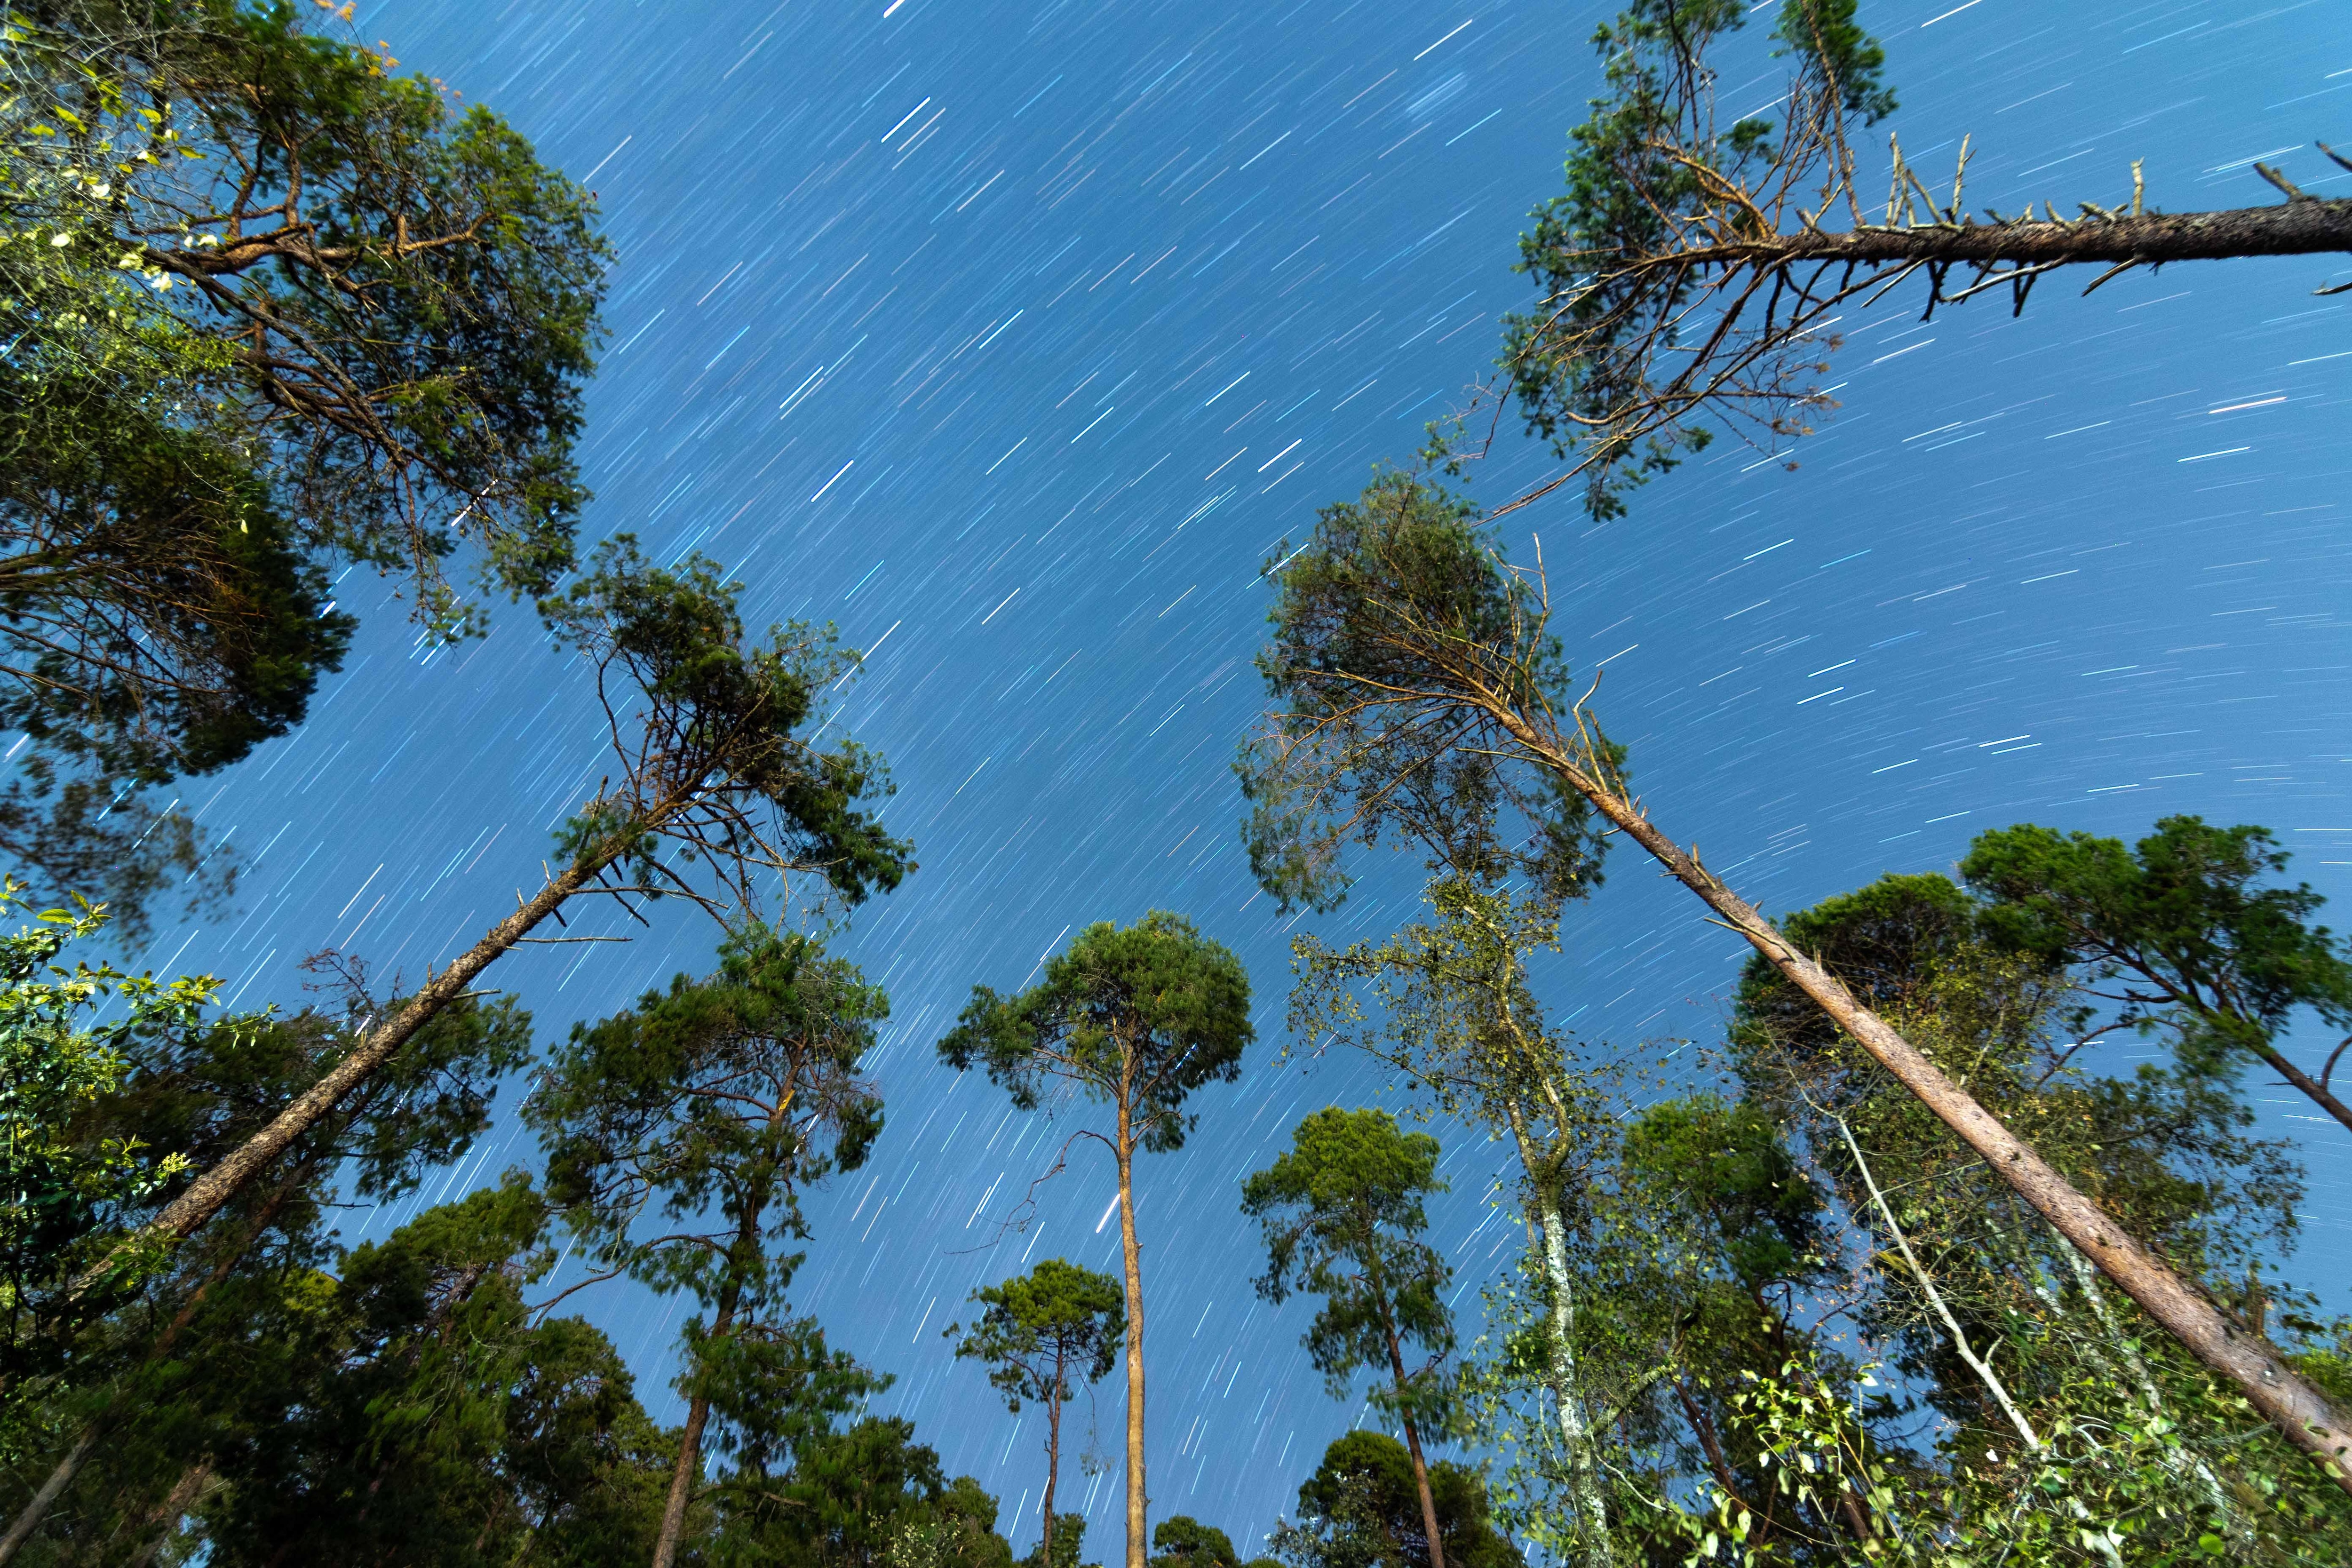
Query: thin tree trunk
51	1490
208	1192
1412	1436
1052	1460
1559	1322
1132	1257
175	1502
1985	1373
2303	1413
1709	1443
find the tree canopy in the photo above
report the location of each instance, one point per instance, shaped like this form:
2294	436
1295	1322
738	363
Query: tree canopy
271	307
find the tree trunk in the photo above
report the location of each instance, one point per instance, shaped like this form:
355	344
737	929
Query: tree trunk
2301	1412
176	1502
51	1490
1560	1315
1132	1259
1052	1461
681	1482
208	1192
2303	228
1413	1441
697	1409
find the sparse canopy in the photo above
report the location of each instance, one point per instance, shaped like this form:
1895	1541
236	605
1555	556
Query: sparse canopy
1136	1019
1343	1211
1039	1330
1688	280
1036	1332
1398	635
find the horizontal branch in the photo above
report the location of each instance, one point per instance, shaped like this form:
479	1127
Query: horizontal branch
2306	227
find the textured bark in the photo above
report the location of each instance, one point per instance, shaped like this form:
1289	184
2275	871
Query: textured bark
2306	227
2301	1413
1132	1259
681	1482
1413	1447
1559	1322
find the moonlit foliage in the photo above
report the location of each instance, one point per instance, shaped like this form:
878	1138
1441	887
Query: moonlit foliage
1012	337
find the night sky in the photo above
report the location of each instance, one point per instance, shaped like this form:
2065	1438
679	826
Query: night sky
1012	337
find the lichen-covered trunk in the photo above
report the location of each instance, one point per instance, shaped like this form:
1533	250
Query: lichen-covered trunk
1560	1348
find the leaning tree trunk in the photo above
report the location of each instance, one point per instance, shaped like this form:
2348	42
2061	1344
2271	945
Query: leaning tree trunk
2300	1411
1132	1259
209	1193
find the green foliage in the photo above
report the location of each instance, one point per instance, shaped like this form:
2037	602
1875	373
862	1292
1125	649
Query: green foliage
1342	1212
1068	1538
1387	622
64	1197
2202	952
711	1105
392	302
266	308
721	771
1035	1332
1180	1541
409	1408
1361	1510
1038	1330
1600	366
1139	1018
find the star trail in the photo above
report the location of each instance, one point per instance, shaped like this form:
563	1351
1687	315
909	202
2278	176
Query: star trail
1016	338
